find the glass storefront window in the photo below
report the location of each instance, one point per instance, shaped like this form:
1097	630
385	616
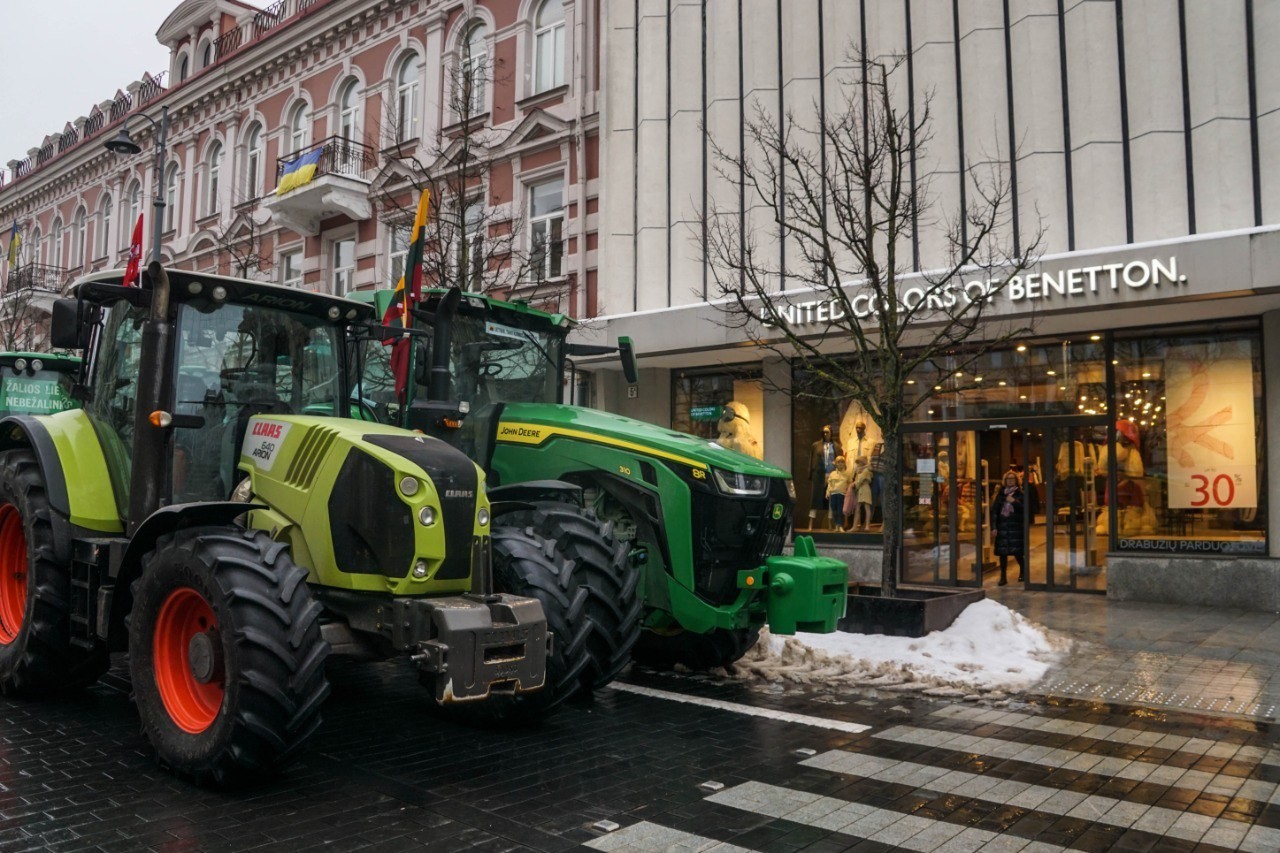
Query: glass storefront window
724	406
1190	443
1061	377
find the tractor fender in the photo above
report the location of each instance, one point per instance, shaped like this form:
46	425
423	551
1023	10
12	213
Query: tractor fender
164	520
74	447
518	496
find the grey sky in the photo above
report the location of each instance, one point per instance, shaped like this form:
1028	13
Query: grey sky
61	57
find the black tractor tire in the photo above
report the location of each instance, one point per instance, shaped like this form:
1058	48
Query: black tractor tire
590	601
36	652
719	648
613	606
225	654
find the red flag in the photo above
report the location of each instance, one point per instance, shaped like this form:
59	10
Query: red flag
135	255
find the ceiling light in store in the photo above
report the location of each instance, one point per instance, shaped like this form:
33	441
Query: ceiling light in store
1080	406
1022	396
1022	347
1091	411
931	411
937	387
1095	337
1146	375
959	374
1084	398
1115	361
911	382
1051	373
977	379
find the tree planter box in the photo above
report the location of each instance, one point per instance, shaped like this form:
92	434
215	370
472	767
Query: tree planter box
914	612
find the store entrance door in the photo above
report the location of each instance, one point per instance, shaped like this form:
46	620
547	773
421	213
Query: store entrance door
953	488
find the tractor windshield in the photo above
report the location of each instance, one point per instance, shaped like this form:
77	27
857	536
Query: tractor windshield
237	361
492	362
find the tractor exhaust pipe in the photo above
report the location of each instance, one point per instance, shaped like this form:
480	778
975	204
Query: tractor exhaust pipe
441	329
150	478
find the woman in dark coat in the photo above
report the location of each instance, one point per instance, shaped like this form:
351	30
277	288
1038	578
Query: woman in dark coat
1008	515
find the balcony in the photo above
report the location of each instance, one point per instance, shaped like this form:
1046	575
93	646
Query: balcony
339	186
38	277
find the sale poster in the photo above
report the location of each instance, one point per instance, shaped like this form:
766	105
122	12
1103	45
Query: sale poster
1211	429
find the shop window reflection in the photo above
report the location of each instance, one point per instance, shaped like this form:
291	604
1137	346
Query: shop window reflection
721	406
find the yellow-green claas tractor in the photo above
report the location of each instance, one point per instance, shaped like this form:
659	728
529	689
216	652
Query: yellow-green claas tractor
215	510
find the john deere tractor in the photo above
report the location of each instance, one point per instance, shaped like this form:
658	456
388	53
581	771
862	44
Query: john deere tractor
705	525
36	383
215	511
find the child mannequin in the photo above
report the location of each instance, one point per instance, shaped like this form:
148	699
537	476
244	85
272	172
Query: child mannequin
837	484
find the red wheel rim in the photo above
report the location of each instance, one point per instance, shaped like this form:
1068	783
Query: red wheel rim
192	705
13	573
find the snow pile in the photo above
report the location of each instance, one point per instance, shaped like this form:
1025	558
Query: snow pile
989	648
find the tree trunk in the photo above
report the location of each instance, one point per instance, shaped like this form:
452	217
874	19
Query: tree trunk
891	505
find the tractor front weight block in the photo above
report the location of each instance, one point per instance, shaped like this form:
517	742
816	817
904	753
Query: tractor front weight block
473	645
806	592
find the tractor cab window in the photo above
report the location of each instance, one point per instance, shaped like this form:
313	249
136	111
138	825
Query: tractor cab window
236	362
493	362
115	384
374	398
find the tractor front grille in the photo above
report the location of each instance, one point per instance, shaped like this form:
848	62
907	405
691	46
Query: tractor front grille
734	533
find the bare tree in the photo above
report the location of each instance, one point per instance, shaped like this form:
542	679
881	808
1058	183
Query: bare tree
21	323
239	240
844	199
471	241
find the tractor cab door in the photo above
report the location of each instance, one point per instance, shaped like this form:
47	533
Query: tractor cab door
115	367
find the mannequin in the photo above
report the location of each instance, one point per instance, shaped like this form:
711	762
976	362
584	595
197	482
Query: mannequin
860	490
837	484
735	430
1133	514
822	461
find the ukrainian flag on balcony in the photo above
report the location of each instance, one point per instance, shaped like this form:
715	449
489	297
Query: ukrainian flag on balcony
299	172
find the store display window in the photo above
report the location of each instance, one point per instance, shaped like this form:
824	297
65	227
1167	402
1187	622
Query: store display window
1190	444
725	406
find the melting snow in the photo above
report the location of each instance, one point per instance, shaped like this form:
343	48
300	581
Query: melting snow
988	649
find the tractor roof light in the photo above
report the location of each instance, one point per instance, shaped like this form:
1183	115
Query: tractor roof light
20	364
36	365
409	486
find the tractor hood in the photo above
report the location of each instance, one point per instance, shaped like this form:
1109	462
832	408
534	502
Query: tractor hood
536	423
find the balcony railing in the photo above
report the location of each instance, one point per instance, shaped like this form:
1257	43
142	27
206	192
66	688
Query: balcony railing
38	277
340	156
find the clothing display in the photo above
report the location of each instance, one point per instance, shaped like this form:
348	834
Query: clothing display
822	459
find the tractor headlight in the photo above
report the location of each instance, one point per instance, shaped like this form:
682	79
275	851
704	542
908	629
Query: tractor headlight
427	516
791	488
243	490
482	517
740	484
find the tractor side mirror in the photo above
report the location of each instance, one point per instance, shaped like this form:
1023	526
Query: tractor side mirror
66	329
627	352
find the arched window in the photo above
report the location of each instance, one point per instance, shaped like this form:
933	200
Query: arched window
548	40
184	68
214	166
299	127
104	225
135	210
349	111
36	248
55	237
473	67
171	197
79	230
407	97
253	160
206	55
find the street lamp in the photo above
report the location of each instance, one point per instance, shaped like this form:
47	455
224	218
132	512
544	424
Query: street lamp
122	143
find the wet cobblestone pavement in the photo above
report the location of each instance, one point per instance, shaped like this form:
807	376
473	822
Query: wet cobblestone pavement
731	766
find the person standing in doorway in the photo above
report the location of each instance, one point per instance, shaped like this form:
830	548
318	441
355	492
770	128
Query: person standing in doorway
1008	520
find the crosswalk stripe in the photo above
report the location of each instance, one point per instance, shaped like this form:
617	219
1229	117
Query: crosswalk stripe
905	831
644	837
1090	807
748	710
1138	769
1097	731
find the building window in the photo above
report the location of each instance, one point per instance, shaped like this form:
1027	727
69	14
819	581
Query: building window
349	111
407	98
55	237
722	406
104	225
299	128
398	251
253	161
344	266
469	261
546	229
135	210
214	164
171	197
473	68
1190	443
206	55
184	68
80	227
291	269
549	46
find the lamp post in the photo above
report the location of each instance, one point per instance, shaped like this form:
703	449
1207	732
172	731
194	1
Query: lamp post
122	143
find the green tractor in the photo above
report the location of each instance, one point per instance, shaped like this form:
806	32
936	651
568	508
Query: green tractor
214	510
36	383
706	526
